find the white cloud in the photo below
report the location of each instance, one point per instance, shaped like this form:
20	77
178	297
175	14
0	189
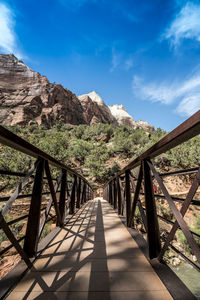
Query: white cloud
120	60
185	93
8	43
189	105
128	64
115	60
186	25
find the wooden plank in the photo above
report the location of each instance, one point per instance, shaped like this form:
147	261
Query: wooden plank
153	233
107	270
32	230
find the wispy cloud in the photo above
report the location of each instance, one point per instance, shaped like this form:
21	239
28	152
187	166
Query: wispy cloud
189	105
115	60
128	64
186	25
185	94
120	60
8	39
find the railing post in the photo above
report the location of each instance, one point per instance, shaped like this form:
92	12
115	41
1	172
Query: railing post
63	196
107	193
73	196
114	194
128	196
119	197
153	233
83	194
110	193
33	224
136	196
78	193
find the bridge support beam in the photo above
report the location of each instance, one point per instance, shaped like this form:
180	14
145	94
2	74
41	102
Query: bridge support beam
114	194
78	193
83	193
63	196
73	196
119	197
153	234
128	196
32	229
110	193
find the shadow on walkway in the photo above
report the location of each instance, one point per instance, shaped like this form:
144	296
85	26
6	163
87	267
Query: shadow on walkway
93	257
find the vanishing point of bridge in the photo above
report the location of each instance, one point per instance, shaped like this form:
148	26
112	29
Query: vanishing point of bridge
95	252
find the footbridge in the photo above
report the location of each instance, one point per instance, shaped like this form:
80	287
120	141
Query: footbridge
97	248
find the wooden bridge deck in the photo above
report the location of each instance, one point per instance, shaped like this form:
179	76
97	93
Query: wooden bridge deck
92	257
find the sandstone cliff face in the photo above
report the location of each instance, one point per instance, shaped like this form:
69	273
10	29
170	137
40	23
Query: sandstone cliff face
93	104
26	97
121	115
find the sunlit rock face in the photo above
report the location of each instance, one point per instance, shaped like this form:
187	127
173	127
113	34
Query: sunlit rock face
96	111
26	98
120	114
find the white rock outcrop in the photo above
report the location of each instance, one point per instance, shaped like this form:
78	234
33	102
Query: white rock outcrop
121	115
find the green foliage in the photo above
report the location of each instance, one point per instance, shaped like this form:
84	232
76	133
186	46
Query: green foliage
46	229
187	155
3	237
79	149
196	227
183	241
94	147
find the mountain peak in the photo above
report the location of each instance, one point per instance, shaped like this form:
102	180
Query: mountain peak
26	97
93	96
121	115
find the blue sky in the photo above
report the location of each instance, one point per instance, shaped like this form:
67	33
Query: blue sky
142	54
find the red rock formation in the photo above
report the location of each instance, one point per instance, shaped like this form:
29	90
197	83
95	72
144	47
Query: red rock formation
26	97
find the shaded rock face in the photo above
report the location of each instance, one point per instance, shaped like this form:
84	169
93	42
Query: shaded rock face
26	98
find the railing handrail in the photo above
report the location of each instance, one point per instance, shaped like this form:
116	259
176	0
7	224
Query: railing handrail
10	139
127	193
185	131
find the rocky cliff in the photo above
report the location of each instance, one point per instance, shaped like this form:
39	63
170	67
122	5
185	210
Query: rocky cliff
26	97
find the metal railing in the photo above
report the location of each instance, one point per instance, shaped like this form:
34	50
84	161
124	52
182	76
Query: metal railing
124	191
65	196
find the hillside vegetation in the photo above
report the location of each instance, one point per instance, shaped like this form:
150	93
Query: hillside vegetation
97	151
